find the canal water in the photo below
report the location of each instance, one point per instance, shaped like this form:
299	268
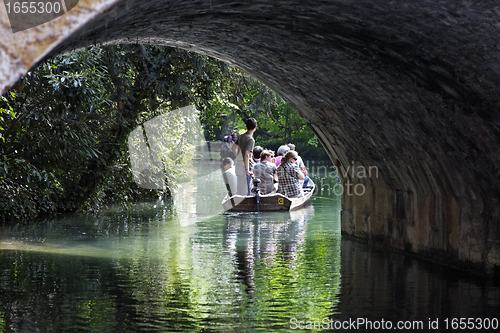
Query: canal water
183	265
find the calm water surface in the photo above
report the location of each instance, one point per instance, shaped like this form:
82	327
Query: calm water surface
184	266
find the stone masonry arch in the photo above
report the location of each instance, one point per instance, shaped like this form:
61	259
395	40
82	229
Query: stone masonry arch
412	88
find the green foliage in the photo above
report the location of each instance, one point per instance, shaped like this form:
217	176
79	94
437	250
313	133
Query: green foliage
27	190
64	126
46	134
278	122
68	121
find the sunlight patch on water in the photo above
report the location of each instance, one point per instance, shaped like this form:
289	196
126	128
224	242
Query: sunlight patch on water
72	250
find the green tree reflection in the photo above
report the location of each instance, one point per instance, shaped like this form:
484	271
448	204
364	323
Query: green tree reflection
150	270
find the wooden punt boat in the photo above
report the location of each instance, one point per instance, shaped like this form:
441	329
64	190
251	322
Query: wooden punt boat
266	203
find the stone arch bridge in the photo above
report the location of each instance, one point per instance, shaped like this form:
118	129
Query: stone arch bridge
411	87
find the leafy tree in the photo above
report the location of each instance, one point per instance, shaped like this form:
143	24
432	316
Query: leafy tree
278	123
46	133
64	126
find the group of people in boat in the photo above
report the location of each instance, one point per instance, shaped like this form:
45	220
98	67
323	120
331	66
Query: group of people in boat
246	162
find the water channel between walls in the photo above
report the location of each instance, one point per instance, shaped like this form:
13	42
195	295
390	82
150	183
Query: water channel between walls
185	265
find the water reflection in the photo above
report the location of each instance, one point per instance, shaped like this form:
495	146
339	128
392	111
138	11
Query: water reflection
382	284
180	266
273	238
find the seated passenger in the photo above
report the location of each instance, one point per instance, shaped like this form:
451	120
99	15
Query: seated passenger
266	172
301	166
282	150
300	163
289	176
256	154
229	175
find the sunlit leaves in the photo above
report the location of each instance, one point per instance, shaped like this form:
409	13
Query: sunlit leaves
69	120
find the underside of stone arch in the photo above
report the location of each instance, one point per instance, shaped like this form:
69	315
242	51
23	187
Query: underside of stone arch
411	88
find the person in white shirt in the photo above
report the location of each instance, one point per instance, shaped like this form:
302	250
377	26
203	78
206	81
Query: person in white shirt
229	175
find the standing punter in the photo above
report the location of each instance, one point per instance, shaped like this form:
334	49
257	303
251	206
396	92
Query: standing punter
244	161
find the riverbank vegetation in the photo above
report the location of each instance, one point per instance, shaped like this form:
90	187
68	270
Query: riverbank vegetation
64	126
